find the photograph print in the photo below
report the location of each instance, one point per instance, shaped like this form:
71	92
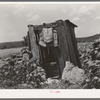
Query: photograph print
49	45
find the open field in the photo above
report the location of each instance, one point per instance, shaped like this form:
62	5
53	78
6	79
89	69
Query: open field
14	44
6	52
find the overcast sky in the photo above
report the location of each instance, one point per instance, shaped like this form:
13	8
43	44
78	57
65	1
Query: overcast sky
14	18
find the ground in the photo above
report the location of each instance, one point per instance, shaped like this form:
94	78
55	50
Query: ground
6	52
88	65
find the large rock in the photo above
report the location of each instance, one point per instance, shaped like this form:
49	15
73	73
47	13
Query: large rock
73	74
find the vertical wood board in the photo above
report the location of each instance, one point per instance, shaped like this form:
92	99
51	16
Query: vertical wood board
34	47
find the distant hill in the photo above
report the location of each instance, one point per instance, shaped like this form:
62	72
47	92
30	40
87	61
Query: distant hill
16	44
88	39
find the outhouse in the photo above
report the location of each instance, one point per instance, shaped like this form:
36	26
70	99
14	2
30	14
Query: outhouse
59	46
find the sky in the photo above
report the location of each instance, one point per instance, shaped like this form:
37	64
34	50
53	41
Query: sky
14	18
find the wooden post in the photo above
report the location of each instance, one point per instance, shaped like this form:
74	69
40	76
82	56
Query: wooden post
34	47
28	40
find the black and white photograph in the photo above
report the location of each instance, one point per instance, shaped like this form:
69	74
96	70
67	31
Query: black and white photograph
49	46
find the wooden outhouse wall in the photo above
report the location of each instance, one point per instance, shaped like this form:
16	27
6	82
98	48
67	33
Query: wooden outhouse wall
28	40
34	46
67	43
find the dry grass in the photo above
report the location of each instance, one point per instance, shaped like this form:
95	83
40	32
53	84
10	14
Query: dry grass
6	52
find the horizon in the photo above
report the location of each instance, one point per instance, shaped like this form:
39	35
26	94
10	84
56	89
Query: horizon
14	18
23	39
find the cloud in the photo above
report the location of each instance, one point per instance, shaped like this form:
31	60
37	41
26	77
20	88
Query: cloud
76	19
82	9
19	9
32	17
64	10
96	18
4	14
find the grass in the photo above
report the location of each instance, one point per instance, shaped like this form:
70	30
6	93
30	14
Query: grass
6	52
15	44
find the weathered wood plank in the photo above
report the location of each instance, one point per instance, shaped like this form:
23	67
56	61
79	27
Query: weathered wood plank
34	47
70	44
28	40
75	45
63	46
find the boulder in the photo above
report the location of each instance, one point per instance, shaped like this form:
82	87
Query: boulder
73	74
